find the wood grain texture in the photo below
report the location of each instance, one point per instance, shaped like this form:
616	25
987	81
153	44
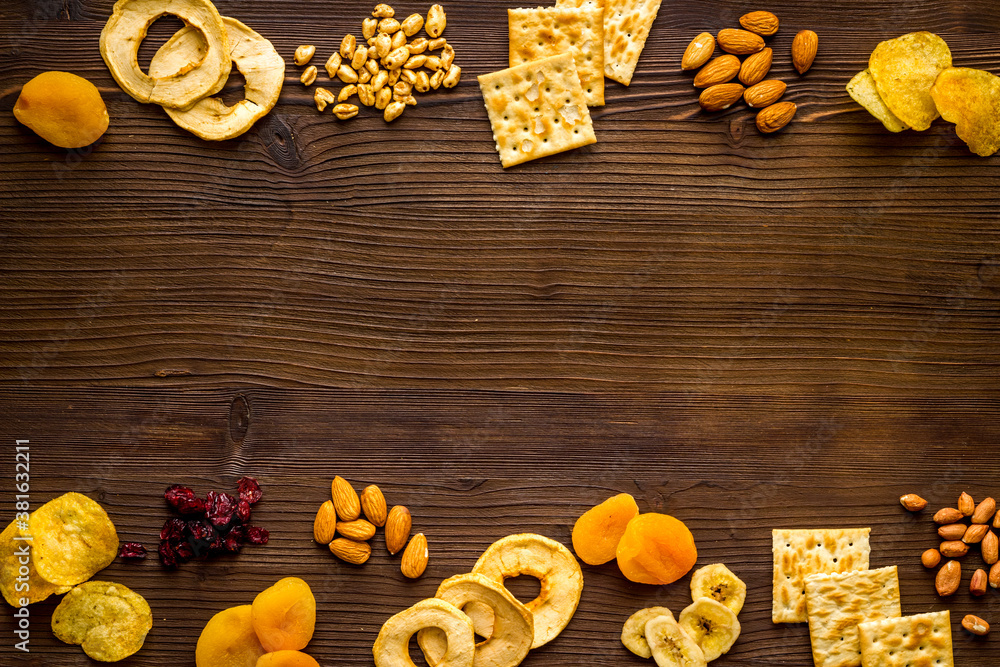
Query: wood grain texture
475	466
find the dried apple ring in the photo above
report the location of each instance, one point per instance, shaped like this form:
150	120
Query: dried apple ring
548	561
391	648
125	30
513	626
254	56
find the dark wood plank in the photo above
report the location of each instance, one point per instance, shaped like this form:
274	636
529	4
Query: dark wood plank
474	466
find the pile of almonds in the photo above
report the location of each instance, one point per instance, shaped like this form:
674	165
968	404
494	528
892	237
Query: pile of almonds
386	69
715	75
342	515
960	529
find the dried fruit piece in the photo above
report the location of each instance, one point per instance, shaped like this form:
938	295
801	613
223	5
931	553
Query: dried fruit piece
64	109
391	647
398	523
671	646
184	500
415	557
325	523
634	630
804	48
697	54
345	498
762	23
132	550
220	508
372	499
656	549
73	539
286	659
912	502
284	615
350	551
229	640
717	582
107	619
249	489
597	532
712	626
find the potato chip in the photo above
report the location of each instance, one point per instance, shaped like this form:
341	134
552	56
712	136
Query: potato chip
13	555
862	90
970	98
108	619
904	70
73	539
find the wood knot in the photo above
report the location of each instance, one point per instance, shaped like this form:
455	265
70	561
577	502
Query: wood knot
279	141
736	132
239	419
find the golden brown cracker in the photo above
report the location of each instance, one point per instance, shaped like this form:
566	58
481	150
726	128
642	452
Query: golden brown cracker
922	640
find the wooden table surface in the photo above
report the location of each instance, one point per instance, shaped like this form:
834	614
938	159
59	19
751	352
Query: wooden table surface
744	331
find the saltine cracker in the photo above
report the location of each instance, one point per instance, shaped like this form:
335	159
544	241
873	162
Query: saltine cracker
838	602
799	553
537	109
923	640
626	27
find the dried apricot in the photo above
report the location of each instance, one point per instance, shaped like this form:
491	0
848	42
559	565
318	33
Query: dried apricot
597	532
284	615
286	659
656	549
64	109
229	640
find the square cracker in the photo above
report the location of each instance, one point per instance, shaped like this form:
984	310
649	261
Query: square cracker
626	27
537	109
799	553
838	602
923	640
548	31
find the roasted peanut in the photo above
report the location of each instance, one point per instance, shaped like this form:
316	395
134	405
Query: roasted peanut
953	549
990	548
952	531
994	577
345	111
975	625
984	511
912	502
930	558
975	533
947	515
979	582
309	75
333	64
323	97
304	54
347	46
948	578
393	111
346	92
453	76
412	24
436	21
966	505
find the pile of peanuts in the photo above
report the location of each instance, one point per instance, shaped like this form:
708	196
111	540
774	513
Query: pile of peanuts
385	70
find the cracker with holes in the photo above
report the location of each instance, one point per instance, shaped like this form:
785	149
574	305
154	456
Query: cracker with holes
626	27
838	602
923	640
799	553
548	31
537	109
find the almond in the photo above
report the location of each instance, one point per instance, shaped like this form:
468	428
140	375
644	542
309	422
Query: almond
975	625
984	511
350	551
930	558
947	515
948	578
739	42
764	94
990	548
358	530
966	505
975	533
756	67
979	582
397	528
373	505
414	560
345	499
953	548
773	118
717	71
325	523
720	96
804	48
994	577
952	531
762	23
698	51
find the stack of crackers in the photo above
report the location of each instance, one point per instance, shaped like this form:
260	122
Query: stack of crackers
558	59
854	614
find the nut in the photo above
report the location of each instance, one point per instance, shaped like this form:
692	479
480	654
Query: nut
383	44
412	24
349	550
930	558
364	76
372	67
399	521
347	74
423	83
397	57
345	498
409	76
368	28
947	515
966	505
378	83
698	51
435	44
739	42
433	63
358	530
948	578
952	531
804	48
953	548
348	46
720	96
398	39
409	100
388	25
393	77
910	501
436	79
383	11
773	118
762	23
323	97
436	21
360	57
984	511
325	523
367	96
975	625
417	46
413	62
333	64
989	547
764	94
975	533
447	56
309	75
719	70
372	500
756	67
979	582
453	76
304	54
414	560
347	92
382	98
402	88
994	577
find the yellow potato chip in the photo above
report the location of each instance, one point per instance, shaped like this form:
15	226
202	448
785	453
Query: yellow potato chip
904	70
73	539
970	98
15	583
108	619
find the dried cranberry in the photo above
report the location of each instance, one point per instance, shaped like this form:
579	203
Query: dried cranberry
182	499
256	535
173	530
217	546
168	558
249	489
132	550
200	530
220	508
243	511
232	543
184	552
